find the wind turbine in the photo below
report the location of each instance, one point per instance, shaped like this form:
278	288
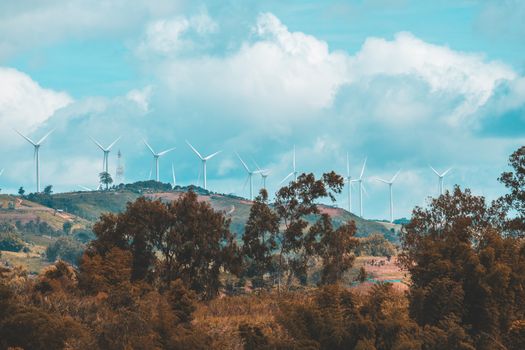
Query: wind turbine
204	160
360	180
263	172
250	174
36	146
156	157
106	151
349	181
391	198
440	178
173	176
294	172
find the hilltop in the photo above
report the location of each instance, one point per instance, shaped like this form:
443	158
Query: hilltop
90	205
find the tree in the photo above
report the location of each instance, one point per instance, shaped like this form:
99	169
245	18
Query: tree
66	227
193	240
105	179
48	190
259	238
515	200
21	191
465	273
293	204
334	247
197	246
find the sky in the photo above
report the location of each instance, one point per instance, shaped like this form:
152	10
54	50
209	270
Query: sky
403	83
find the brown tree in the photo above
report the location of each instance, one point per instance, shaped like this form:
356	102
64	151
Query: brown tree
464	271
515	200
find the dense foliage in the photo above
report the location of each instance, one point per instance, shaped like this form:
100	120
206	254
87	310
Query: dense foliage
150	278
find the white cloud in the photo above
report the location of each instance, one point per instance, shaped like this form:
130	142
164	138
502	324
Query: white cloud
171	36
24	104
78	19
288	76
141	97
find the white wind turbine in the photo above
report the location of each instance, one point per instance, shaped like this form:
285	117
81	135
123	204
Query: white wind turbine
440	178
156	157
294	172
391	197
349	181
106	150
173	176
36	146
250	174
361	189
204	160
264	174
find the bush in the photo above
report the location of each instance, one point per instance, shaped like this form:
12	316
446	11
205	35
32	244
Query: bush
11	241
375	245
66	249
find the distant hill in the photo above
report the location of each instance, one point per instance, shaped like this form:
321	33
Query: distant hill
86	207
90	205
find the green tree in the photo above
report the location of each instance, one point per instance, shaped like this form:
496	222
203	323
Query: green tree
259	239
48	190
105	179
293	204
334	247
21	191
66	227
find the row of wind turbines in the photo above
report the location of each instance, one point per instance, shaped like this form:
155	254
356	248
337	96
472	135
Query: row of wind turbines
264	173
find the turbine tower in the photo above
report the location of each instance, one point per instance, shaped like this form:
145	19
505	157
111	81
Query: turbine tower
204	160
105	167
36	146
440	178
349	181
250	174
360	180
263	172
391	197
173	176
156	157
294	172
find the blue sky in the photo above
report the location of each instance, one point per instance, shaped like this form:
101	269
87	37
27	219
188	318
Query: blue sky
404	83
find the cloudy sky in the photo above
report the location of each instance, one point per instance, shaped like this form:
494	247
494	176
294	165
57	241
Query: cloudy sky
404	83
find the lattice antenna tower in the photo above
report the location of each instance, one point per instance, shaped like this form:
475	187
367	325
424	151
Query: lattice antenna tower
119	177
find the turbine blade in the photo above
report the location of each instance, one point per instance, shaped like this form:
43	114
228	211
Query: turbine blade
378	179
151	149
446	172
1	172
45	137
25	137
96	143
287	177
212	155
363	169
173	175
347	165
114	142
245	183
294	158
395	176
256	165
364	189
194	150
166	151
434	170
242	161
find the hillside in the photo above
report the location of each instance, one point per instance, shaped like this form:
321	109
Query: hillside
90	205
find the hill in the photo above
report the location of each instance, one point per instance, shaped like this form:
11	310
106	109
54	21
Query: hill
90	205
